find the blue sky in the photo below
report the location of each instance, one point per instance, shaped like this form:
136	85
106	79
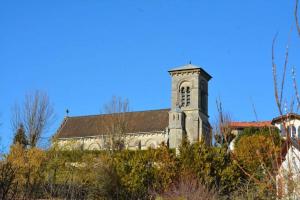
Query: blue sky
82	52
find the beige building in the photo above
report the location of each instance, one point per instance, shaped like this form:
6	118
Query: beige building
187	117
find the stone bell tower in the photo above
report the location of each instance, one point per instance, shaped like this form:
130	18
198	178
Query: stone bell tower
188	116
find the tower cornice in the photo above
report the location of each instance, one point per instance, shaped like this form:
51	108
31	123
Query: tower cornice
189	69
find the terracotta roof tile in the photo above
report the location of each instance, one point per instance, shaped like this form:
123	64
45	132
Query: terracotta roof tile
250	124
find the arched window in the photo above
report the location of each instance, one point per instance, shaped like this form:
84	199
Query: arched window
182	93
188	96
294	132
185	94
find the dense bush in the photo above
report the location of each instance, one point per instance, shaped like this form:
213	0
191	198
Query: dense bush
143	171
257	152
213	166
143	174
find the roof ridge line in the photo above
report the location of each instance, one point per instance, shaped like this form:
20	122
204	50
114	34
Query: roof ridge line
83	116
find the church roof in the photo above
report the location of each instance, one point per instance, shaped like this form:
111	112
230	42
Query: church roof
190	67
94	125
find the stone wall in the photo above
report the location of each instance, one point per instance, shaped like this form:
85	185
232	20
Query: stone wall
133	141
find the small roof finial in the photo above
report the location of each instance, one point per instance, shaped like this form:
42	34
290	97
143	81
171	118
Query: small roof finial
67	112
190	62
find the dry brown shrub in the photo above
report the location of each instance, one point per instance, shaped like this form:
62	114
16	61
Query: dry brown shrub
188	188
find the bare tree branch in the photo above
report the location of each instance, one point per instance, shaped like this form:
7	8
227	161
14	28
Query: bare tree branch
254	110
116	122
223	132
279	92
284	72
296	88
188	187
296	17
274	70
16	118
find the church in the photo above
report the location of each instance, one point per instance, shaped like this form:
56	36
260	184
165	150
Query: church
188	117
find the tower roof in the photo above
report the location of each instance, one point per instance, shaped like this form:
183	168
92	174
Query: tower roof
189	67
185	67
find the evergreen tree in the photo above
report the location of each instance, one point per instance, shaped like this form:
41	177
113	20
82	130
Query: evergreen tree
20	136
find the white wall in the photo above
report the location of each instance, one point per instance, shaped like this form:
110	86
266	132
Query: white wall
290	123
288	178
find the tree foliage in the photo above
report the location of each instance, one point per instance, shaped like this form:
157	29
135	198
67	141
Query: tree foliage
141	171
143	174
8	182
256	152
30	169
212	165
20	137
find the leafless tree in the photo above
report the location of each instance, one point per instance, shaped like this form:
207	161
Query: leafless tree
36	114
294	71
279	87
222	131
116	122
